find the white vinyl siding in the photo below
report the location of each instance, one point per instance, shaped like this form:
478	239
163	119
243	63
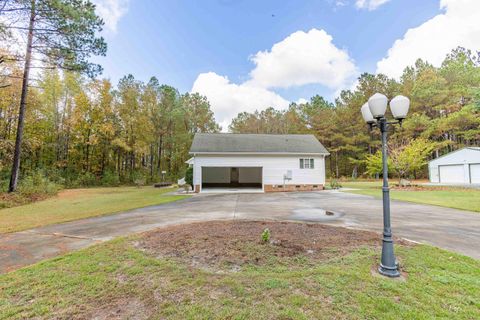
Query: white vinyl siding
274	167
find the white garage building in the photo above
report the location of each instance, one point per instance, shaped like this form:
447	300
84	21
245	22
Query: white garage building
457	167
257	162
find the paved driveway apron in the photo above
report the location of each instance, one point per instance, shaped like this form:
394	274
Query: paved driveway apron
451	229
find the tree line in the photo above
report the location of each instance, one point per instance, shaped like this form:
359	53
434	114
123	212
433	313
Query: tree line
444	116
73	127
78	129
86	132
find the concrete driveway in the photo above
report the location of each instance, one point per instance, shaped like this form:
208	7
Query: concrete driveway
451	229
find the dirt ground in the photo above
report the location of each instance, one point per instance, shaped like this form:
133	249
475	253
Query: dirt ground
229	245
426	188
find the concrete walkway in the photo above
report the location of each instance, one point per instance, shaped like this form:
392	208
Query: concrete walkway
451	229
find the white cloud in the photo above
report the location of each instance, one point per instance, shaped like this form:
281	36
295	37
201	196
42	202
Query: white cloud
228	99
301	101
434	39
303	58
370	5
111	11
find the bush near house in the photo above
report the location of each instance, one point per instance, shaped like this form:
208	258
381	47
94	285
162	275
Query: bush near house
189	176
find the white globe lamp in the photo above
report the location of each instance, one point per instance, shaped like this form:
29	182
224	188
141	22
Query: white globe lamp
399	107
366	114
378	105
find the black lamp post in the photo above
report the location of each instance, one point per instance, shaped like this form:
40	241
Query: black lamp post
373	113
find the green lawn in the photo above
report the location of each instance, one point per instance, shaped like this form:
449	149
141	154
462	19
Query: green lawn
459	198
116	279
77	204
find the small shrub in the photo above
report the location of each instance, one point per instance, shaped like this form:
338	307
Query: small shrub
266	235
4	185
137	177
110	179
37	183
86	179
55	175
139	182
189	176
187	187
335	184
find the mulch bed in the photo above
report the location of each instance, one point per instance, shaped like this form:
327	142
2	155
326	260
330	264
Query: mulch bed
214	244
427	188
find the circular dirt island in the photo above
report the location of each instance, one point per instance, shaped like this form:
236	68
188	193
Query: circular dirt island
229	245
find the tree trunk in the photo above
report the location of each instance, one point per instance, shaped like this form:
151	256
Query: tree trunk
23	101
336	165
102	170
151	161
160	145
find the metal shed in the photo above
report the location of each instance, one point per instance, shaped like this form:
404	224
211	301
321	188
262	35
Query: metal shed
458	167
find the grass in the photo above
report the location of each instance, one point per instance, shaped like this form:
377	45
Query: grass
115	279
77	204
458	198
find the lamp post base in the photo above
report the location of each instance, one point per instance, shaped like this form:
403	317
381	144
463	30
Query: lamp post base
389	271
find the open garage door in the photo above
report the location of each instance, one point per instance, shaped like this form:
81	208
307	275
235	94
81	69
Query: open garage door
452	174
231	179
475	173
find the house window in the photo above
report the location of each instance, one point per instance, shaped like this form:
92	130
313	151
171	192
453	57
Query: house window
307	164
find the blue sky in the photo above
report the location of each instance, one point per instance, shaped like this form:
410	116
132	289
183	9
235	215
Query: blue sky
177	41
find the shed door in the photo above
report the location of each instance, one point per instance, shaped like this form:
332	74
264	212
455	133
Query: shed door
475	173
451	174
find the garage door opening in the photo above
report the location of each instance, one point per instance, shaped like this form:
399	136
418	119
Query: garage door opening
232	179
452	173
475	173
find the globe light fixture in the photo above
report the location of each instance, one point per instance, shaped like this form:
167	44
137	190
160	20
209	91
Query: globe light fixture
378	105
366	114
399	107
373	112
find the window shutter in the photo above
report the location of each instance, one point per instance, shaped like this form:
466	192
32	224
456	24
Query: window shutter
311	164
301	163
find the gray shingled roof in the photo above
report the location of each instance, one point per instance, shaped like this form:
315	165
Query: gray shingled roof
256	143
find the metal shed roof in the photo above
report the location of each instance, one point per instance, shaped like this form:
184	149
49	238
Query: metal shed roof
256	143
464	155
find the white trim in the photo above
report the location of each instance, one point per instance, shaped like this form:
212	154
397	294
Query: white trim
452	152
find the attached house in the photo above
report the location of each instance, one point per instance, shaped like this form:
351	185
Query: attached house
457	167
257	162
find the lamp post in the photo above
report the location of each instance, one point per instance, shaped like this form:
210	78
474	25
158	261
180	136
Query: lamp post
373	113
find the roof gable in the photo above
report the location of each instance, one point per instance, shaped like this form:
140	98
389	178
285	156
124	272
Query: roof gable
457	156
256	143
